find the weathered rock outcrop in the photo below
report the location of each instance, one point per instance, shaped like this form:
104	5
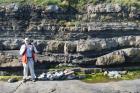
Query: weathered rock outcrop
125	26
8	60
53	50
97	36
128	55
120	56
55	46
93	44
98	44
35	21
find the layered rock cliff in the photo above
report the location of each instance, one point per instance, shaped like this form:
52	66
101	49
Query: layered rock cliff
102	34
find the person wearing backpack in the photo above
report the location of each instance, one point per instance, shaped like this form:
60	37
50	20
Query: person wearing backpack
27	53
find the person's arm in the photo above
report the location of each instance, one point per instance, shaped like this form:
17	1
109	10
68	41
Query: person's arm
22	50
35	50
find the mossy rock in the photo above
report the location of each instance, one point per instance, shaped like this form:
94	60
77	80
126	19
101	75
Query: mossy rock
5	78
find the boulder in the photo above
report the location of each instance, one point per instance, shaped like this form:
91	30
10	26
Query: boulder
132	52
12	80
52	8
123	72
119	57
114	74
55	46
58	75
110	59
43	75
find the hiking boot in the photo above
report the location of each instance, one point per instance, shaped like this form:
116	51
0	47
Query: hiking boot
36	78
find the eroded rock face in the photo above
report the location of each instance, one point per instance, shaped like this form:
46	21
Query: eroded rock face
102	51
112	58
12	44
120	56
55	46
70	46
9	60
40	45
97	44
18	19
99	26
91	38
128	55
104	8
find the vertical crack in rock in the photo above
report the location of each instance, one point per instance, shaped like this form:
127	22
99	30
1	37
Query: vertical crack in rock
14	91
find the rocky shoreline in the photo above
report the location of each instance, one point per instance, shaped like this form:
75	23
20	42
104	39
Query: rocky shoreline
69	86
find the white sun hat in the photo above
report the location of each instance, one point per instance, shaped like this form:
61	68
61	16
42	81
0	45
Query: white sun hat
26	39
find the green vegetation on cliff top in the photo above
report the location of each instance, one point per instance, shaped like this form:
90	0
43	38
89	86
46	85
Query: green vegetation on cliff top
101	78
74	3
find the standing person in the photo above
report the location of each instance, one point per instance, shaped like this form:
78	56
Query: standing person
27	53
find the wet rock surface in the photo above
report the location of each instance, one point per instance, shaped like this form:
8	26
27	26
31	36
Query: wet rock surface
69	86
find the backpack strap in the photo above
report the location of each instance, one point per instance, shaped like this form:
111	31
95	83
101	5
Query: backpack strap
25	49
32	48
